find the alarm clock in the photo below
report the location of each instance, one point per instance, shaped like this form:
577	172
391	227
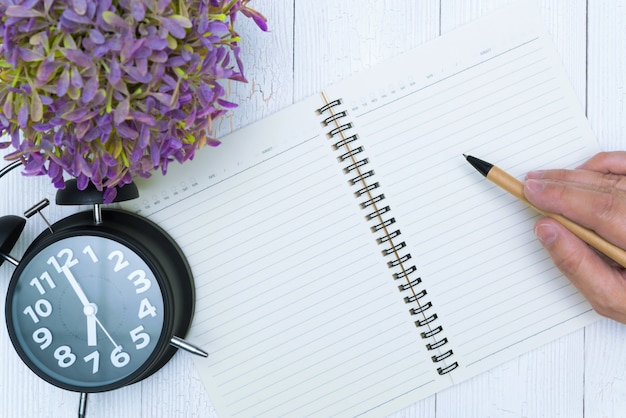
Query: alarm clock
100	299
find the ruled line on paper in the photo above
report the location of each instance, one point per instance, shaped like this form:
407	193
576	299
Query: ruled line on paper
456	74
303	227
154	211
540	331
511	106
379	347
347	332
282	307
516	330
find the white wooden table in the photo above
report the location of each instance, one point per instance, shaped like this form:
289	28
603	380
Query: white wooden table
315	43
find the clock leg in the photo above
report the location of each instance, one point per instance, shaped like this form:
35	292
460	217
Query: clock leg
10	259
82	406
180	343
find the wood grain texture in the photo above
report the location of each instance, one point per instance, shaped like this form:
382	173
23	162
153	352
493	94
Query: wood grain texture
315	43
605	373
607	72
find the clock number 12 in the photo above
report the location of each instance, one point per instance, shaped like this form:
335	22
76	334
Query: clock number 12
70	261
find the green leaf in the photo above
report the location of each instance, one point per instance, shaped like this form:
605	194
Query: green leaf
69	42
40	38
29	55
21	11
114	20
182	21
171	42
121	111
8	106
36	107
73	92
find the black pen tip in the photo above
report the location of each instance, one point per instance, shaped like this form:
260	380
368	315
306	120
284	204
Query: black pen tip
483	167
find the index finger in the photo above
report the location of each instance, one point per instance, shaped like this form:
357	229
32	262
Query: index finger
600	210
582	177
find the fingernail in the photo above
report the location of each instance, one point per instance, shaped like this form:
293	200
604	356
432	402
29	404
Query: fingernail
535	186
537	174
546	233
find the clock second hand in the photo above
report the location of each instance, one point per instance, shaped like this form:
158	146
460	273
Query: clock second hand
89	308
106	332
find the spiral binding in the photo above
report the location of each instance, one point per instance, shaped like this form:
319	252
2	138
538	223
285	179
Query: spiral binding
351	155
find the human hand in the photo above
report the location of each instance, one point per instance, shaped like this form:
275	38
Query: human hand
594	196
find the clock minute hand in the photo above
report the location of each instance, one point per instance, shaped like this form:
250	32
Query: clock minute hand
89	309
75	286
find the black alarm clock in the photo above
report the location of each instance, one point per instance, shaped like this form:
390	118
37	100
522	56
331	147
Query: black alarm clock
100	299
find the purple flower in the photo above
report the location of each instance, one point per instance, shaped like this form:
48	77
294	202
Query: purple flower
106	90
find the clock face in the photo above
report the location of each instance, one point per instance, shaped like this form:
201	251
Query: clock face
86	312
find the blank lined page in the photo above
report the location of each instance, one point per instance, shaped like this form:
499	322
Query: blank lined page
294	302
502	96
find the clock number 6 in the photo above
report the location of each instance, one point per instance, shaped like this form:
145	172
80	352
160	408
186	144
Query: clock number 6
119	358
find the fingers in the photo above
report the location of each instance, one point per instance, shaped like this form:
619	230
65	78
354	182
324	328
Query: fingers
607	162
604	170
602	285
599	209
594	195
582	178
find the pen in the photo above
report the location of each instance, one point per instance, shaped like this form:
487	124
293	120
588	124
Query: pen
516	188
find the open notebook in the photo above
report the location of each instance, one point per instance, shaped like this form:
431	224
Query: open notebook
348	260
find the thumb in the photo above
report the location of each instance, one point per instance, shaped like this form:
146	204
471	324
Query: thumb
603	285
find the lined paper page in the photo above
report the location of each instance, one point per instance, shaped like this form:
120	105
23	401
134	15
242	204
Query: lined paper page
502	96
294	304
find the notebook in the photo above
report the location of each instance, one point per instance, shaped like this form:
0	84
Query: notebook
348	260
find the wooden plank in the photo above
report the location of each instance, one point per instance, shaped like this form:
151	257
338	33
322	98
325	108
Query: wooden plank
605	370
607	73
268	65
336	39
605	359
546	382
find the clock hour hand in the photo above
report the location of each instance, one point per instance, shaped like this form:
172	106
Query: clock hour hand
92	337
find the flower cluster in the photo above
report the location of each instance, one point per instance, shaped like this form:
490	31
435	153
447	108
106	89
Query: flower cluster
105	90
